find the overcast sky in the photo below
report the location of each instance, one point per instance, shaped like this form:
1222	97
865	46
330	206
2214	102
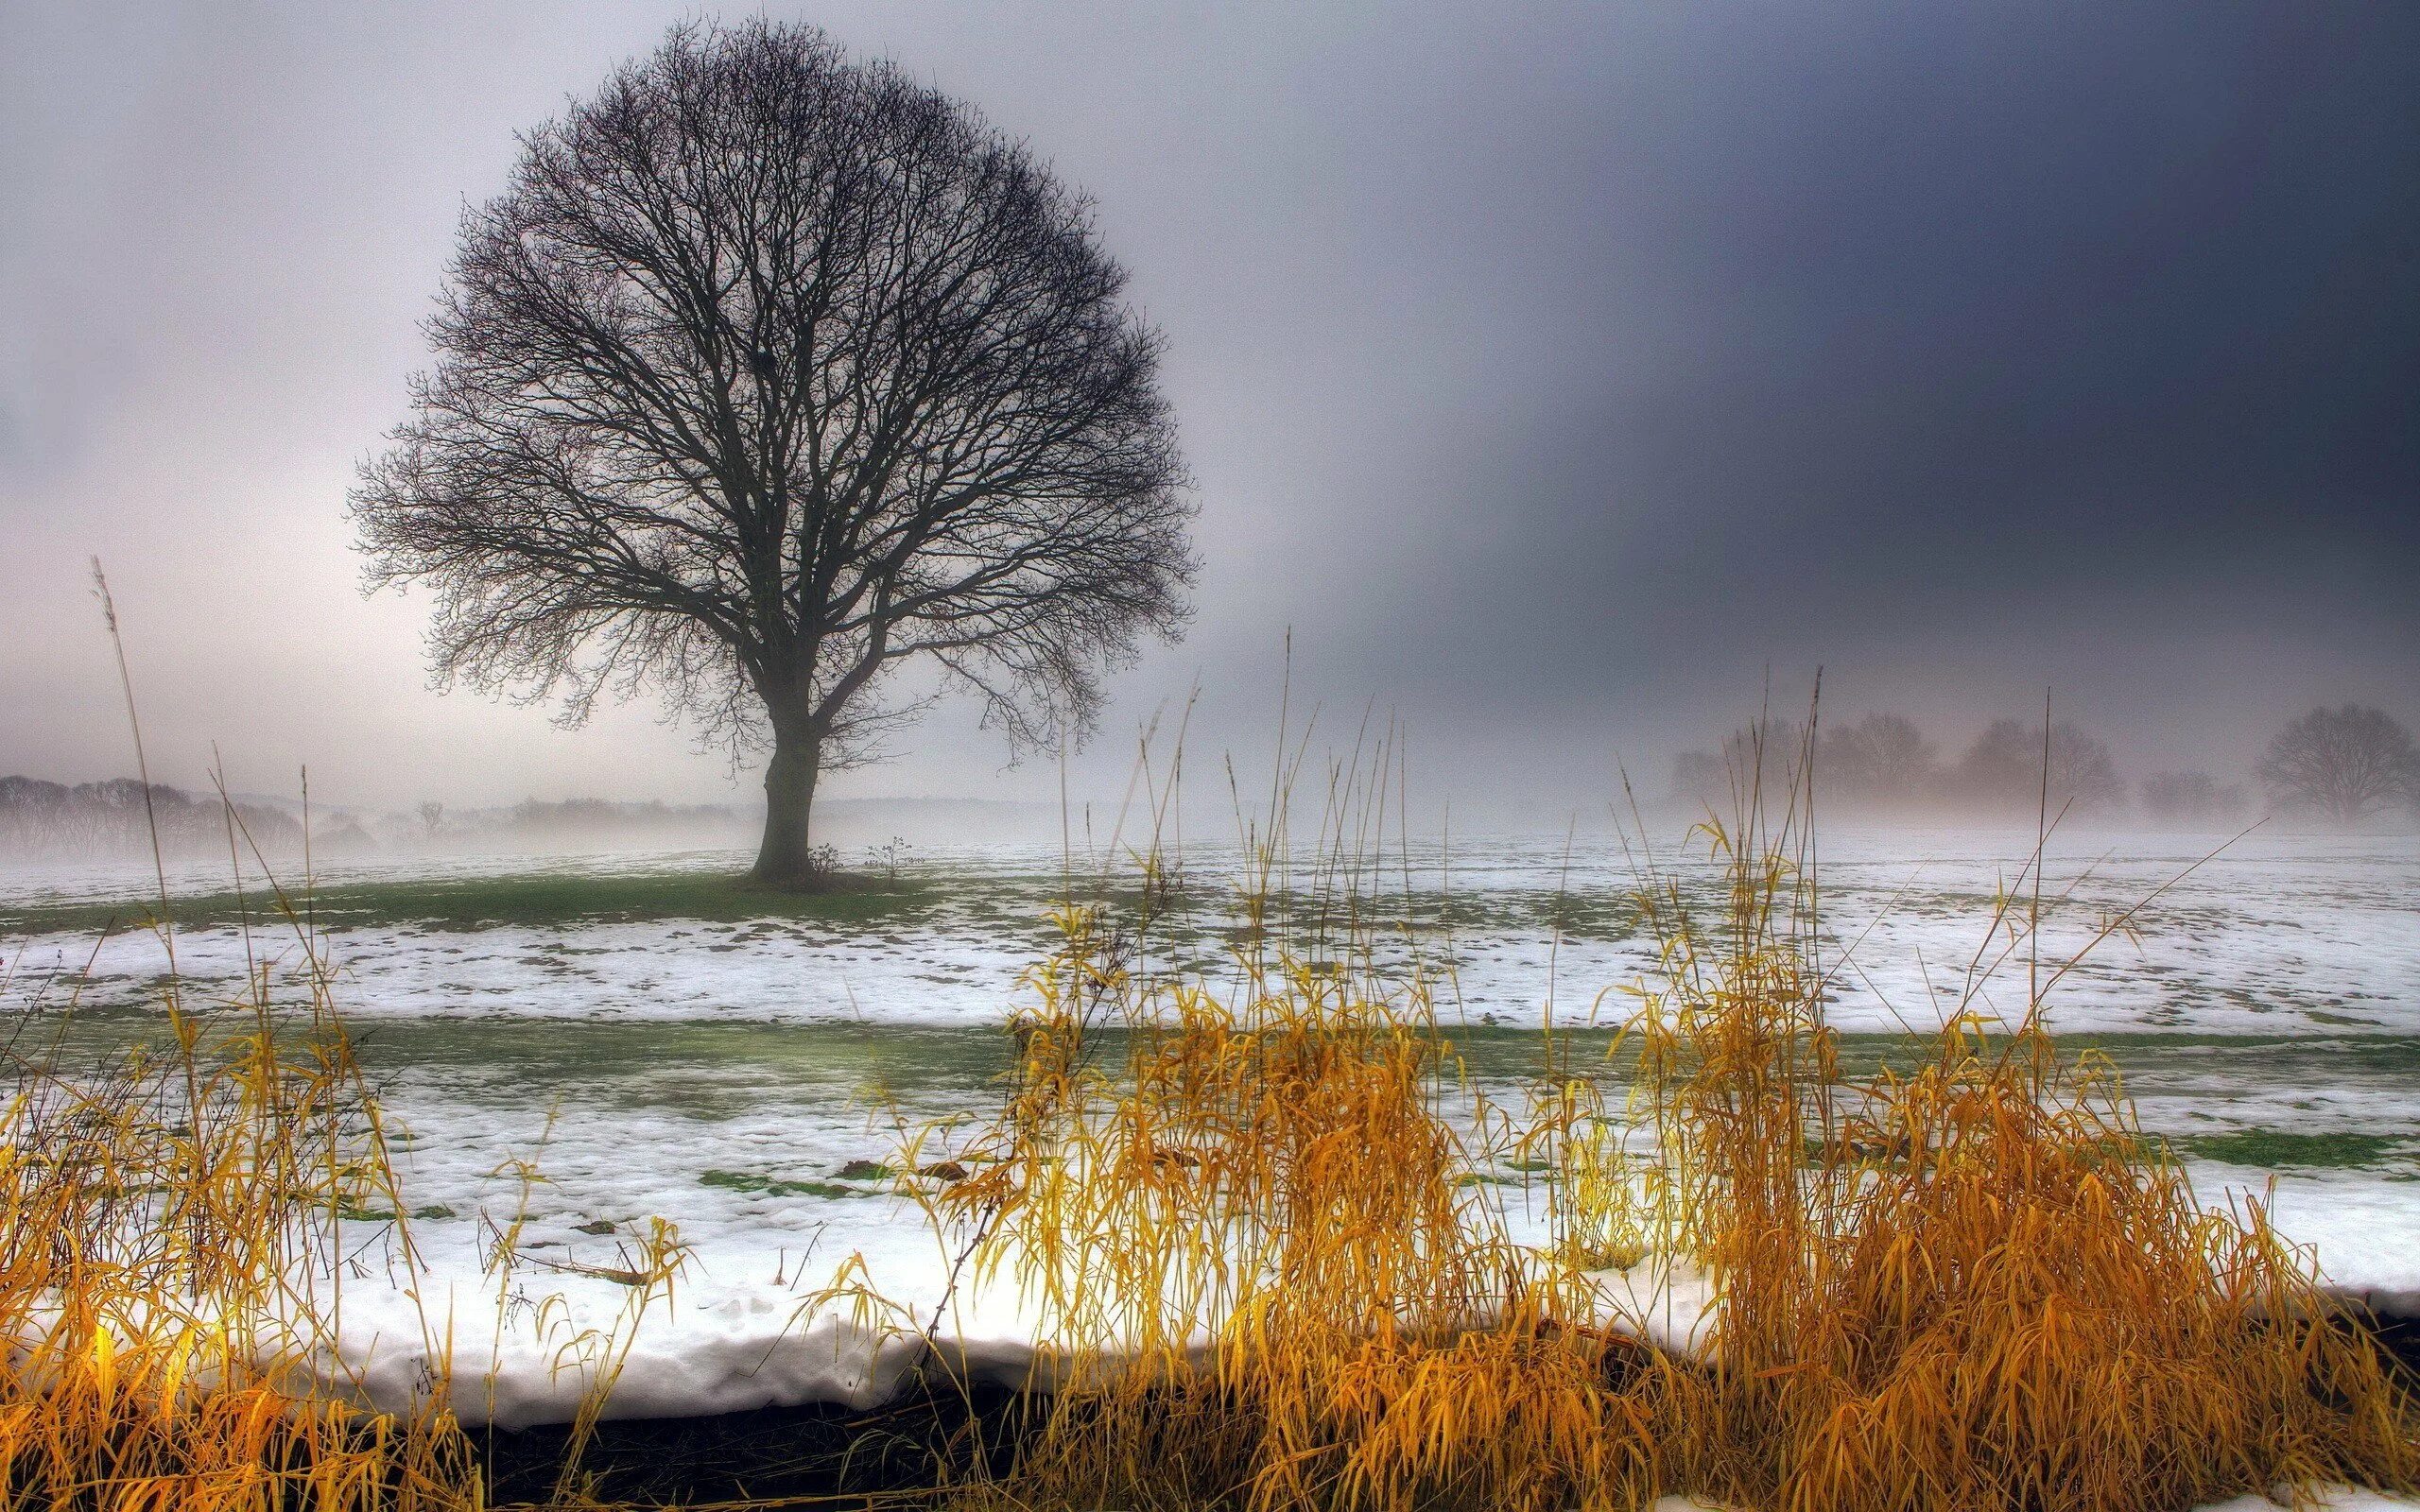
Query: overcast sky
1550	371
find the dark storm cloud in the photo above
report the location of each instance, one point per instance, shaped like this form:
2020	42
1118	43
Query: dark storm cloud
1955	324
1552	372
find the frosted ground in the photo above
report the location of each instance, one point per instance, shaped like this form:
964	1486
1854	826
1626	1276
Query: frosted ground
661	1045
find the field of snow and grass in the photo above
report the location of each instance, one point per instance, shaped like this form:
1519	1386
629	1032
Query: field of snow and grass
653	1039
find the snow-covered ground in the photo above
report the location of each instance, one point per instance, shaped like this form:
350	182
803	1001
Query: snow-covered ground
720	1072
2272	933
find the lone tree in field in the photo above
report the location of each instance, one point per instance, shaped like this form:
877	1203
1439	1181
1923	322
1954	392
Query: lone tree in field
2343	764
769	374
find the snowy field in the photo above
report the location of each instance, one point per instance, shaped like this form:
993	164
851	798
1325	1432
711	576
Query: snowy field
658	1043
2277	935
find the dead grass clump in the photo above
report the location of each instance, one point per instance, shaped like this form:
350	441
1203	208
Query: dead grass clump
1268	1278
169	1231
1985	1288
2027	1308
172	1253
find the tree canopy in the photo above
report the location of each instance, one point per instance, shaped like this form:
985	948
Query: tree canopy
769	372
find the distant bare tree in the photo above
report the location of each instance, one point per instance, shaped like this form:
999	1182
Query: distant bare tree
2002	770
2084	774
1767	759
432	814
769	374
1698	780
1759	764
2343	764
2190	797
1880	759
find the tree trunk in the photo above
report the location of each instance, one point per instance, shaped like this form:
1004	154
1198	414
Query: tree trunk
785	859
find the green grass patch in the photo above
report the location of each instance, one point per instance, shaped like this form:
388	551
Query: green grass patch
529	899
2273	1149
775	1186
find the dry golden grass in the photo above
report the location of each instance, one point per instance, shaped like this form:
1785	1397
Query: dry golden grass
1972	1286
1985	1288
178	1228
168	1233
174	1251
1268	1278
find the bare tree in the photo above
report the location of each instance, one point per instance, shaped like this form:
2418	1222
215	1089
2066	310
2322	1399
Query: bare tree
2190	797
1699	782
2002	770
2343	764
2083	776
1766	759
1880	760
767	373
1759	765
432	817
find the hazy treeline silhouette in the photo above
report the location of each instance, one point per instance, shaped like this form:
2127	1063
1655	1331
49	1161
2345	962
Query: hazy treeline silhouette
1886	764
538	822
2345	766
105	821
110	819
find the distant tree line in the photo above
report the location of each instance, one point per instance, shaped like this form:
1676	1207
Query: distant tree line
110	819
536	819
2344	766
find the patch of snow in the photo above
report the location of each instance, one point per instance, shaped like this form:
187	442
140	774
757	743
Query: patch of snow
2320	1499
1669	1303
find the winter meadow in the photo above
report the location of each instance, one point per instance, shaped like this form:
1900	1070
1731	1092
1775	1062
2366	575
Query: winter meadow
1607	759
